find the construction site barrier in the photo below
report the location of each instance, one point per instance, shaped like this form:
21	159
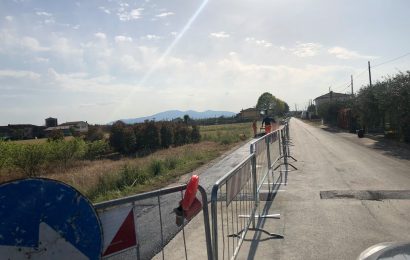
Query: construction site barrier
233	207
235	197
140	226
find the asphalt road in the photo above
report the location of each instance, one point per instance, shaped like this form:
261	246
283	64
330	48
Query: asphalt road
347	195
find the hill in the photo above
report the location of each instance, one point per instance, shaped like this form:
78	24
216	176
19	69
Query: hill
172	114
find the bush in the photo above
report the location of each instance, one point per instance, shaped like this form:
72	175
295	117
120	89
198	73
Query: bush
56	135
65	152
166	136
150	136
195	134
122	138
5	156
156	167
96	149
29	158
94	133
182	134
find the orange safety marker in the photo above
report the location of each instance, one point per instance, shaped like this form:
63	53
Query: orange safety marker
190	192
189	206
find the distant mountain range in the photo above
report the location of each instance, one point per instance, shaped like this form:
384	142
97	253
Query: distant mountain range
172	114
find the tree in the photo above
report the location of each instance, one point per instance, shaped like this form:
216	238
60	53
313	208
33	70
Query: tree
186	119
56	135
195	134
266	102
122	138
166	135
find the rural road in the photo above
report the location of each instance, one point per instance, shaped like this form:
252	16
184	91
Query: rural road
347	195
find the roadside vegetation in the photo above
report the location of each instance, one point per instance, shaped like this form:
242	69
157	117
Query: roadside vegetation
383	107
135	158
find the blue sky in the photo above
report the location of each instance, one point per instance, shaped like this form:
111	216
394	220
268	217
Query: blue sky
103	60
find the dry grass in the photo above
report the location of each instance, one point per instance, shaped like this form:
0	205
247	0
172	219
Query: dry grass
38	140
88	174
104	179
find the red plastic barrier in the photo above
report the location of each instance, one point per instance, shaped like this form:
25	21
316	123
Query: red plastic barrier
190	192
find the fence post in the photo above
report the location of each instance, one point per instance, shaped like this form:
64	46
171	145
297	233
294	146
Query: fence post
214	221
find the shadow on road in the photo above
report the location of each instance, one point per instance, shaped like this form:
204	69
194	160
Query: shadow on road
387	146
256	239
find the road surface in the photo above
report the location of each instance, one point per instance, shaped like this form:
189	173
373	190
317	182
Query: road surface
337	203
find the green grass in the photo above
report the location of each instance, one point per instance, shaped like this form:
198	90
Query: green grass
227	134
157	172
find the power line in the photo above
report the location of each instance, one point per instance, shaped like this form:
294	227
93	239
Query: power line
397	58
340	86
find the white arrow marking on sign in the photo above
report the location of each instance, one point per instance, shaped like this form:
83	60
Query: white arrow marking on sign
51	245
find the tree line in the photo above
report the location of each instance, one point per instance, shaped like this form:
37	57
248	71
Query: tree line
150	136
382	107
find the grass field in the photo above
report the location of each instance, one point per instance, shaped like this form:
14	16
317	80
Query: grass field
107	179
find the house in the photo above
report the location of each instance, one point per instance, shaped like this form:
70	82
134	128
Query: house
249	113
21	131
79	126
51	122
331	97
65	129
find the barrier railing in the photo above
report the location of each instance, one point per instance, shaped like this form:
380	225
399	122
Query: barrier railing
139	226
233	207
235	198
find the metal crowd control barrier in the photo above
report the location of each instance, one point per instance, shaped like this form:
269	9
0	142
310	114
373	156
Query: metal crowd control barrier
154	223
236	196
286	143
233	196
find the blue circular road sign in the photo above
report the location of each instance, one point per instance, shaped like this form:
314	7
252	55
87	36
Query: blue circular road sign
47	219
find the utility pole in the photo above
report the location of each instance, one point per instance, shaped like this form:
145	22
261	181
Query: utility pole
370	75
351	83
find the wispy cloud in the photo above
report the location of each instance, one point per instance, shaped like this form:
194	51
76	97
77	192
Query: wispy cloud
151	37
221	34
263	43
40	13
134	14
9	18
19	74
32	44
100	35
122	38
164	14
309	49
104	9
345	54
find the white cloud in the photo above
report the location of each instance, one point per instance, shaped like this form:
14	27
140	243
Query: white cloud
9	18
309	49
262	43
32	44
152	37
174	33
164	14
219	35
122	38
134	14
345	54
100	35
19	74
44	14
41	60
104	9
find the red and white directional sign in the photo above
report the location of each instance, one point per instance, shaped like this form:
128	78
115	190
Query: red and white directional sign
119	229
